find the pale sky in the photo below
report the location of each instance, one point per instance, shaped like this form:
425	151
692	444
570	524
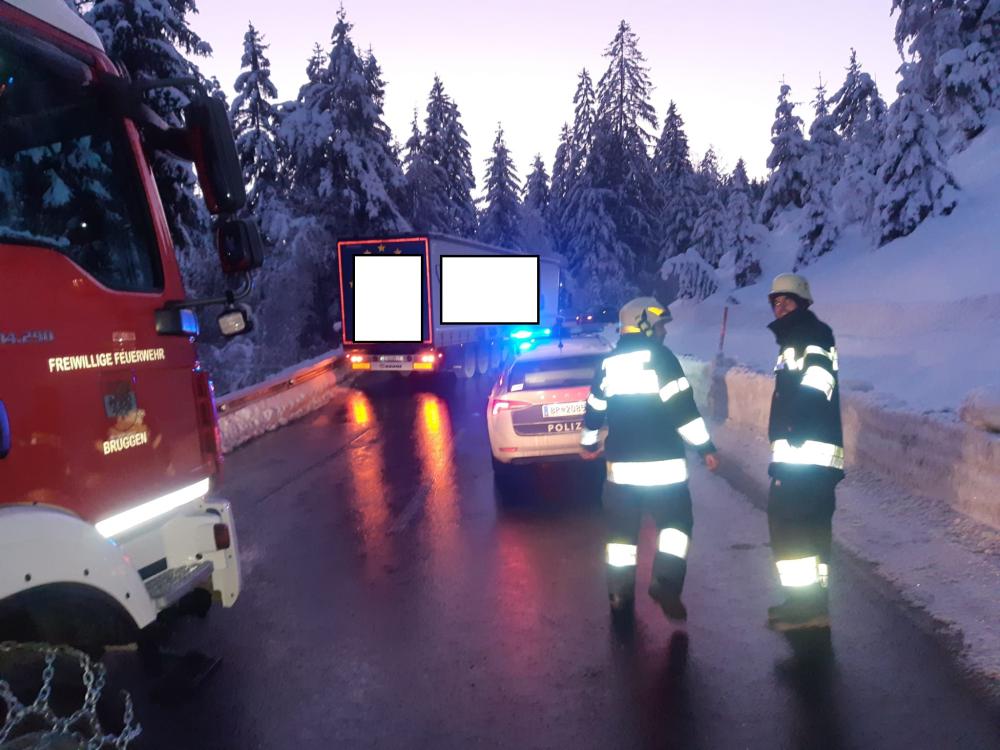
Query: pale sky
516	62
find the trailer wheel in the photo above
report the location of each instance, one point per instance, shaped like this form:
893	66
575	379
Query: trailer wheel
496	356
468	361
483	357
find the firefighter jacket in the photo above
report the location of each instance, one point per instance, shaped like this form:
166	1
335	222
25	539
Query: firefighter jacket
804	428
641	393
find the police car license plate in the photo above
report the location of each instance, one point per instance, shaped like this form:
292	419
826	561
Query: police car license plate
554	411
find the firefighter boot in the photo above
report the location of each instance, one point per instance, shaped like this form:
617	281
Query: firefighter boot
621	591
803	608
669	599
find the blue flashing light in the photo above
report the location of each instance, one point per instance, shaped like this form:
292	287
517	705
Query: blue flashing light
521	335
548	331
524	346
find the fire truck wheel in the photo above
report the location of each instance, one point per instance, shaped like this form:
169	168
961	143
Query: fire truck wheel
65	614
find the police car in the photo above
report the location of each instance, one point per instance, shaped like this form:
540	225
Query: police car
535	409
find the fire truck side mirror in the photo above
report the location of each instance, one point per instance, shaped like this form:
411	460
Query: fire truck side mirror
235	321
215	158
240	246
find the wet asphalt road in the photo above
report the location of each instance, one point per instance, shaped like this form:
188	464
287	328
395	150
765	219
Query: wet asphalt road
393	600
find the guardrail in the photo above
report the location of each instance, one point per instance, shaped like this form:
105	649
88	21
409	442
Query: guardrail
252	411
275	384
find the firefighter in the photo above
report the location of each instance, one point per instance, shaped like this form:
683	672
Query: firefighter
807	455
641	392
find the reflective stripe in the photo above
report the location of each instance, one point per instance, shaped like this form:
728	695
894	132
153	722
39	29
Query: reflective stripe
598	403
789	360
674	387
818	378
625	374
674	542
810	452
147	511
695	432
824	574
648	473
589	437
621	555
801	572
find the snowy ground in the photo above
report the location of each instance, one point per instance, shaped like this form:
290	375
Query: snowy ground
916	321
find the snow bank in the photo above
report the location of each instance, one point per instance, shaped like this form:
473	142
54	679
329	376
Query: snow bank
982	408
950	462
270	412
901	466
914	320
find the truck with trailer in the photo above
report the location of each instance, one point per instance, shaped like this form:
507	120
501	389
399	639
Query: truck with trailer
109	447
418	337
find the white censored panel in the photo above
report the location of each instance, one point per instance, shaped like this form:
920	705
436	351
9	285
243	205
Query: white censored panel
490	289
387	298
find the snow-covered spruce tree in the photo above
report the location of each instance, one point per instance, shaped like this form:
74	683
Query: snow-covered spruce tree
672	156
425	199
956	46
624	168
916	181
676	197
690	276
500	221
536	231
786	183
562	182
708	237
255	119
343	166
859	113
739	179
561	174
600	277
709	176
740	264
536	189
152	38
584	116
343	172
446	145
822	165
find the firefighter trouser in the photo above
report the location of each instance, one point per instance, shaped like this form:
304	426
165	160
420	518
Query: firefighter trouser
670	507
800	519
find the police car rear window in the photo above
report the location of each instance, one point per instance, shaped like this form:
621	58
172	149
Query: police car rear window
562	372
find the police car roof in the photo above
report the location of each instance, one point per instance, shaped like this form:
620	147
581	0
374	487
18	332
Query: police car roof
572	347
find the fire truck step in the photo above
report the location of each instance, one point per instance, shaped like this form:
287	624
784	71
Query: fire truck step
167	588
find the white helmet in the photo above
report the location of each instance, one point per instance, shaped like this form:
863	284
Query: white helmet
793	284
641	314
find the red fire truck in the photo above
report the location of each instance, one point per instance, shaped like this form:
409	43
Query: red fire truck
109	447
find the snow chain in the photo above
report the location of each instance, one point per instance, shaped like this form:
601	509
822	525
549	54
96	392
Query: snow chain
38	721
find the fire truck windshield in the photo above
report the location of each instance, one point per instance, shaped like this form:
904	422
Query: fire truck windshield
68	176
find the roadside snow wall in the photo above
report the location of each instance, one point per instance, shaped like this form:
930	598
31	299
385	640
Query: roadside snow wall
953	462
266	406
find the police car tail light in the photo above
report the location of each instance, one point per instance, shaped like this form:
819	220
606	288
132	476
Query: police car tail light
355	358
502	404
427	357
